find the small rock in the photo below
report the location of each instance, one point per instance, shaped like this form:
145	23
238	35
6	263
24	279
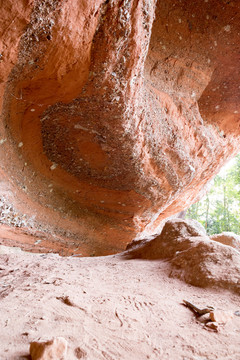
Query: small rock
212	325
55	349
221	317
204	318
80	353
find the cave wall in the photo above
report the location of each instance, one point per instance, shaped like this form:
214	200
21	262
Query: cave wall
114	114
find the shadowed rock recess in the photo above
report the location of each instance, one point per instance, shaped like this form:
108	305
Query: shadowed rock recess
114	115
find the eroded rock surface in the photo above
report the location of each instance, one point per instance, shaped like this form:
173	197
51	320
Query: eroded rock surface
114	114
193	256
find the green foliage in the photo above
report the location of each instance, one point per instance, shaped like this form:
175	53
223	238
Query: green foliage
219	210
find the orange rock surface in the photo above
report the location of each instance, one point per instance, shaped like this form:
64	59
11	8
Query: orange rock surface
114	114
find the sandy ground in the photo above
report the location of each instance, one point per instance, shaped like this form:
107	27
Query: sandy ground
108	308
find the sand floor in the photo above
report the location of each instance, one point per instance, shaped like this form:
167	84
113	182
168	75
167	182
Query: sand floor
108	308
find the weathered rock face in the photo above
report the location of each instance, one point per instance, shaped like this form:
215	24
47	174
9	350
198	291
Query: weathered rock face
115	114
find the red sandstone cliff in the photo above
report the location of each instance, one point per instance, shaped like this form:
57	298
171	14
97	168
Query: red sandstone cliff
114	114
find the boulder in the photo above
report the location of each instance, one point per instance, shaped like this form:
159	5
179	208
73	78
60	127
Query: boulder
193	256
227	238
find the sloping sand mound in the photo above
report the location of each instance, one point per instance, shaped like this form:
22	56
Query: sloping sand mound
193	256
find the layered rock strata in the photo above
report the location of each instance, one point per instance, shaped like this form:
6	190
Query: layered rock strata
114	114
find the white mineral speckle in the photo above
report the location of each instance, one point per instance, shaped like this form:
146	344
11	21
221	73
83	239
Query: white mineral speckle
227	28
54	166
2	141
32	110
78	126
192	168
20	144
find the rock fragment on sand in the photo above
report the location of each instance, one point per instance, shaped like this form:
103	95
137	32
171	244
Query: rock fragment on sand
80	353
212	326
55	349
204	319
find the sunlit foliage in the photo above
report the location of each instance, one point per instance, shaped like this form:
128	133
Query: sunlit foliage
219	209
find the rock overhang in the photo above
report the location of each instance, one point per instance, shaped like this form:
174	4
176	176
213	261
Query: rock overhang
115	114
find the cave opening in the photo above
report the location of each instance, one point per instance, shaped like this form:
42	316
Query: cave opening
218	210
114	115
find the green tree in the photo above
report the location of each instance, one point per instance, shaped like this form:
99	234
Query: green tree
219	210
